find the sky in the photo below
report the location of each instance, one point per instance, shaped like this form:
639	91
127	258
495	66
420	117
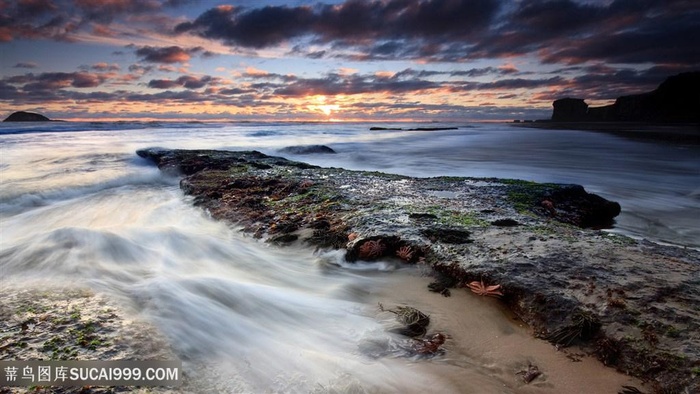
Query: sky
335	60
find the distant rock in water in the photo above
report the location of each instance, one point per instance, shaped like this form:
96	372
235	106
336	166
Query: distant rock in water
676	100
306	149
376	128
22	116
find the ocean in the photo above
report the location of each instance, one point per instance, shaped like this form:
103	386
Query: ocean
77	205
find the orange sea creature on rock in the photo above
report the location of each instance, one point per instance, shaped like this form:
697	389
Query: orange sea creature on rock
483	290
405	253
549	206
372	249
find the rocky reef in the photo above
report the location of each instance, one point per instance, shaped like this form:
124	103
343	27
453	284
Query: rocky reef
676	100
22	116
632	304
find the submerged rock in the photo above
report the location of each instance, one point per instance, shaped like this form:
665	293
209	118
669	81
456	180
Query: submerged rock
306	149
377	128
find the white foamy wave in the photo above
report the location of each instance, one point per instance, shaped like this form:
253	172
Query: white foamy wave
12	204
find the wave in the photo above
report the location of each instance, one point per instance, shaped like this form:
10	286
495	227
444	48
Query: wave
13	204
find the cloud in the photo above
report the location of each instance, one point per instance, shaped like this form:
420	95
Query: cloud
102	66
513	83
163	84
351	22
558	31
57	80
103	30
674	44
26	65
471	73
186	81
167	55
257	28
337	84
104	9
8	91
621	31
32	8
140	69
254	72
62	19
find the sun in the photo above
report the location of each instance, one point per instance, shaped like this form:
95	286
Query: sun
328	109
319	104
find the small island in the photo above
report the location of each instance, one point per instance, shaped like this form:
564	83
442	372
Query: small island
22	116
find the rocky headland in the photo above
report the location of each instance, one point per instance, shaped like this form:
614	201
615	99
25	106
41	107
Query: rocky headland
676	100
21	116
630	303
670	113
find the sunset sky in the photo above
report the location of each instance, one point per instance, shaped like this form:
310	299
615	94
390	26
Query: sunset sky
422	60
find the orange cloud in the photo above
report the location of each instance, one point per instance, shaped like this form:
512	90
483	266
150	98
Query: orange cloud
255	72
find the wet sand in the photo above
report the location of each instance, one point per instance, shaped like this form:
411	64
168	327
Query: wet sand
486	339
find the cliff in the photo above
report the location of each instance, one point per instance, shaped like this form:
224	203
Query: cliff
676	100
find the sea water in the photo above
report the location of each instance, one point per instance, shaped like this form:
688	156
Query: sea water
77	206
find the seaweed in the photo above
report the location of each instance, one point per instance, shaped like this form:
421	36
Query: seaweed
585	324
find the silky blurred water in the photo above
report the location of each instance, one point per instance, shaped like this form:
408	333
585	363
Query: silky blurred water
77	206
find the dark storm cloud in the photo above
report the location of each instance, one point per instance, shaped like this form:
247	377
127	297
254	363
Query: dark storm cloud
257	28
354	21
672	43
559	31
624	31
167	55
60	19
